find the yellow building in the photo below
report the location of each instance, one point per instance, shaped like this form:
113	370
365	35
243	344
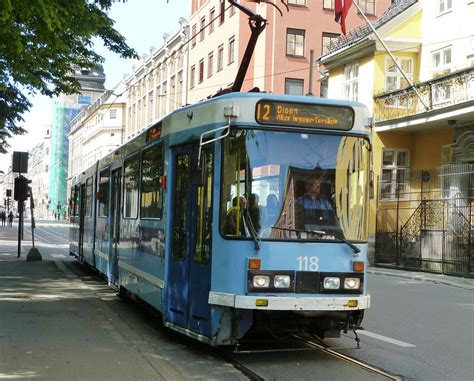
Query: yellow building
422	212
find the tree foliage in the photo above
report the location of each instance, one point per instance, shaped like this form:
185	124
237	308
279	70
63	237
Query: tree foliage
40	41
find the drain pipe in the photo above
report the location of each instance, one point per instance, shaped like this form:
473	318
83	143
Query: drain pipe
311	69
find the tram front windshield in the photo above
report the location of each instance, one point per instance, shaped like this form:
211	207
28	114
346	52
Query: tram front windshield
294	186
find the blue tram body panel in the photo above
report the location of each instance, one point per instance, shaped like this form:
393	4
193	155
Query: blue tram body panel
150	228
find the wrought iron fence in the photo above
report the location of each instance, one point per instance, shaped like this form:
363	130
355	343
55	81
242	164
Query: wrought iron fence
429	224
444	91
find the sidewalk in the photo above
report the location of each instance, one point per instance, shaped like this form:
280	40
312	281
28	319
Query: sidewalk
466	283
58	322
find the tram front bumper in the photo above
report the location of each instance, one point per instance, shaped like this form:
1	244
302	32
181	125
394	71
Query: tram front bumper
289	303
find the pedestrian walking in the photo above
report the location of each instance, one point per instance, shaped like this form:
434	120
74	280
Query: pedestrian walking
3	217
10	219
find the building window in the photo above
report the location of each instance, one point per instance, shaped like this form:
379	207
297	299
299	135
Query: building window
441	66
395	172
164	102
151	96
441	61
220	57
201	71
192	76
394	80
113	114
222	12
351	82
212	15
130	197
328	4
84	100
444	6
203	26
295	42
294	86
367	6
297	2
179	90
193	36
231	11
469	59
327	39
210	64
231	49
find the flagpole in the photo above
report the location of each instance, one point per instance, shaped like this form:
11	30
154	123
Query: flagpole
391	55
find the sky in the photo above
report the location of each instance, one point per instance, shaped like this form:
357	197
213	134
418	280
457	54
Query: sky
143	23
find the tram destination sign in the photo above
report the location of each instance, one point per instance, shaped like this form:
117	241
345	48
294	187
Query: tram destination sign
154	132
307	115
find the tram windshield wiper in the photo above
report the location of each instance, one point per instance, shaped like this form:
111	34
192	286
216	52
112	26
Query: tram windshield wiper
251	229
324	235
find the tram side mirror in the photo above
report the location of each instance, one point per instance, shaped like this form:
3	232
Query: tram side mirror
198	173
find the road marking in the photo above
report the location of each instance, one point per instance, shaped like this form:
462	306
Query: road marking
386	339
58	255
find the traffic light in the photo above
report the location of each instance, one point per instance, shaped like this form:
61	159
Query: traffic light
21	190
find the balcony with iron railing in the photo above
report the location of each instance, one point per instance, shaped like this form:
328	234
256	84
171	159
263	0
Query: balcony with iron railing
438	94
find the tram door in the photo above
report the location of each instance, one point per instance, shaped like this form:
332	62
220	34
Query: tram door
115	225
82	211
189	272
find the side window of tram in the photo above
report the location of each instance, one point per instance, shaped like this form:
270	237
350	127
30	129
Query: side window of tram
88	210
75	201
151	191
180	207
72	202
103	205
131	188
202	252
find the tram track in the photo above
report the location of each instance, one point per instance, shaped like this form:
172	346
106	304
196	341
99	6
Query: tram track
297	344
349	359
245	370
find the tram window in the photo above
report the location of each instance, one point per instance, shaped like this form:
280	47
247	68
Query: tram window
151	191
178	250
75	200
202	253
88	211
104	193
131	188
271	192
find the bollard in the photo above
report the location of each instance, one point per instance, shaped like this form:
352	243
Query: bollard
34	255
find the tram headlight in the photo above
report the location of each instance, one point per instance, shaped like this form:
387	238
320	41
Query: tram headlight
331	283
261	281
281	281
351	283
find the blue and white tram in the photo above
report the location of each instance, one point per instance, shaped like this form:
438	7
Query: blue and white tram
240	213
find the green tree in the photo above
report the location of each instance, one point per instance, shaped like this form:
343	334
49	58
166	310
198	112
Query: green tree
40	41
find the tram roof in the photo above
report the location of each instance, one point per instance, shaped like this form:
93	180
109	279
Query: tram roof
212	111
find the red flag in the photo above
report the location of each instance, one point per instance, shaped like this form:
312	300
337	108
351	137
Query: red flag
341	8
